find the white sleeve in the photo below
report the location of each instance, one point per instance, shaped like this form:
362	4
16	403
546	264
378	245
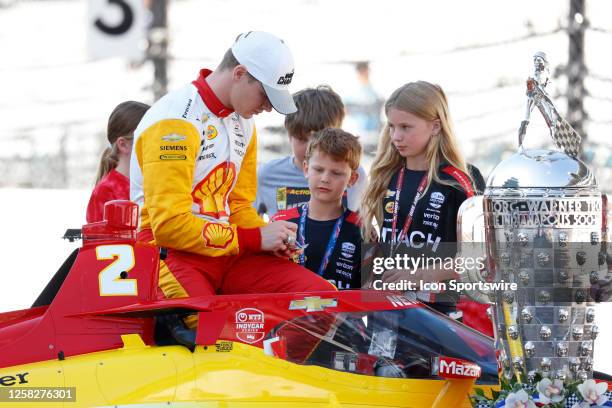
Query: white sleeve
355	192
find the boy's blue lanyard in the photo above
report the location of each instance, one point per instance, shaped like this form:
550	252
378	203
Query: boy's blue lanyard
331	244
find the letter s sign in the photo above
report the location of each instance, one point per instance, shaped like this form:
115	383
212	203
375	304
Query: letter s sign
116	28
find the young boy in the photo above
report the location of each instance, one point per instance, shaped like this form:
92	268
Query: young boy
281	182
330	231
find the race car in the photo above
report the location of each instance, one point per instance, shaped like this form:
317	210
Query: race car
98	336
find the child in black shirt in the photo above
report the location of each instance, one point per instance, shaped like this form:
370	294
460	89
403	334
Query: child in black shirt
330	232
418	181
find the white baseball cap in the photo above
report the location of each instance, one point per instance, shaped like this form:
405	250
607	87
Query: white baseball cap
268	59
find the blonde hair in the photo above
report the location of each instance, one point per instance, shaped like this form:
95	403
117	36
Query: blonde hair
428	102
122	122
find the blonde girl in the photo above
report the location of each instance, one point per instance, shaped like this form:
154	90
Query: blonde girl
418	181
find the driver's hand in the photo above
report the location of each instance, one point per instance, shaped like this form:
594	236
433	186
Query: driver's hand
278	236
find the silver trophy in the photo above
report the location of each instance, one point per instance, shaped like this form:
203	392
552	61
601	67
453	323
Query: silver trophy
541	216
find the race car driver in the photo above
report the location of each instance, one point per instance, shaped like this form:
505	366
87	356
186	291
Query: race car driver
193	174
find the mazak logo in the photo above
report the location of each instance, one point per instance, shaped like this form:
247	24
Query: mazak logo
347	249
436	200
285	80
249	325
455	368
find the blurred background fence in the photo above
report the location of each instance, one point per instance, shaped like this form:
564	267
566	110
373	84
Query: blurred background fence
57	89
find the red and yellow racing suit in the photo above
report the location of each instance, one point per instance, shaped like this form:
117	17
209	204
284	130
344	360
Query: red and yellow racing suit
193	174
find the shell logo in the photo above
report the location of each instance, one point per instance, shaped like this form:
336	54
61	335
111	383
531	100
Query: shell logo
211	132
217	235
211	193
389	207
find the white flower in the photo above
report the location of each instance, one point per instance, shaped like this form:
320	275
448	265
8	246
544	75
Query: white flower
593	392
519	400
550	391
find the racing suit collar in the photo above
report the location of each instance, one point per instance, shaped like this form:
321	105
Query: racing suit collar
208	96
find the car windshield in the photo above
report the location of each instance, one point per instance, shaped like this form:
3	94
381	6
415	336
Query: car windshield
400	343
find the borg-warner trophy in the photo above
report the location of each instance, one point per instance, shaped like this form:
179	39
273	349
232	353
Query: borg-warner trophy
542	219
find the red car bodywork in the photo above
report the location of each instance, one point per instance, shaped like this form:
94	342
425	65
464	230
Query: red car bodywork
79	320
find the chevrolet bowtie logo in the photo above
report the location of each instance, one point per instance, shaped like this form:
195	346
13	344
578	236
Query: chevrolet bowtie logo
312	304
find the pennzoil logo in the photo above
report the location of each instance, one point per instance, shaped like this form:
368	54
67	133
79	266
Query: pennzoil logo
312	304
173	138
250	325
172	157
211	132
217	235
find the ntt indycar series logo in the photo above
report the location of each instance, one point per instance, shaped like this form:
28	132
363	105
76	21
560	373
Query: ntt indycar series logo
436	200
250	325
447	367
348	249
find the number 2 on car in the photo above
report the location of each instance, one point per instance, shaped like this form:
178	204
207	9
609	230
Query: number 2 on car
110	279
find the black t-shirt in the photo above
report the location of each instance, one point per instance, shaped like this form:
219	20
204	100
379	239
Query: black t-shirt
433	232
344	266
435	217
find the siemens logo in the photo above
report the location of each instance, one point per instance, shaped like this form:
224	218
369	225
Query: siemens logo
175	148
